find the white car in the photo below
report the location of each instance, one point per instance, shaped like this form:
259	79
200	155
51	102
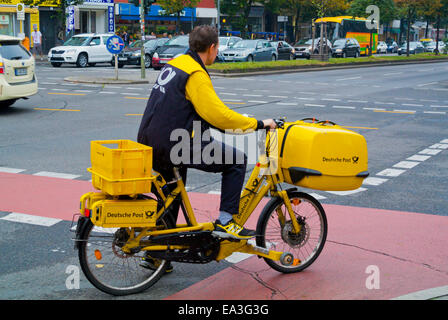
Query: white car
82	49
382	47
17	78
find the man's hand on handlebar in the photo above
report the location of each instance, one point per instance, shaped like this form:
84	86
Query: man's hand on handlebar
273	123
269	124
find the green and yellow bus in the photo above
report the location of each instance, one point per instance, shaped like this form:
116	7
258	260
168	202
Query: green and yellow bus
349	27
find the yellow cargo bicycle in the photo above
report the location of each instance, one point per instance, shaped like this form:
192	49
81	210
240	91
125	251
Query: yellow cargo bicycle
131	218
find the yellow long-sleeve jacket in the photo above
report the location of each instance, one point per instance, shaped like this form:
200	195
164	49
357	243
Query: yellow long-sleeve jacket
183	94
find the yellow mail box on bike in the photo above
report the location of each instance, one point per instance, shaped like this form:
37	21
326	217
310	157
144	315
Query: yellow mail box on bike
121	167
322	155
106	212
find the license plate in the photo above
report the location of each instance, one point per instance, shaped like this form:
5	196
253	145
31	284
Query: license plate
228	58
122	59
21	71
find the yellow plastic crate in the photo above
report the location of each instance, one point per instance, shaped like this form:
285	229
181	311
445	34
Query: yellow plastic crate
121	167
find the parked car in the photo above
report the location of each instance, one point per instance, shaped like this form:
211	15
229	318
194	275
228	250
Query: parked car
285	50
382	47
224	44
17	78
227	42
431	46
392	47
414	47
82	49
303	48
250	50
171	49
347	47
131	55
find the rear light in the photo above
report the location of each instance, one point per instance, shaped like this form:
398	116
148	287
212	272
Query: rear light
2	66
87	213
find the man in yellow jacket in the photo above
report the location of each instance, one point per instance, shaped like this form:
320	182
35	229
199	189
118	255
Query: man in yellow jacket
183	98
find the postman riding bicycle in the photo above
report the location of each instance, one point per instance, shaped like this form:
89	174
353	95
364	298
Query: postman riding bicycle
129	219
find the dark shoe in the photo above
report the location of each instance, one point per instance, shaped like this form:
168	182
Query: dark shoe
153	264
232	230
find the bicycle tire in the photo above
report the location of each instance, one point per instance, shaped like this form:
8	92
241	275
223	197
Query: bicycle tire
97	270
268	217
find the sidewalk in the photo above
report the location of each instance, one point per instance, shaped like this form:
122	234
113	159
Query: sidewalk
123	77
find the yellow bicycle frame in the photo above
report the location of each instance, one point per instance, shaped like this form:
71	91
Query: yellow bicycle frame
257	187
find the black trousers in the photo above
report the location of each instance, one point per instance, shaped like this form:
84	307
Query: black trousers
216	157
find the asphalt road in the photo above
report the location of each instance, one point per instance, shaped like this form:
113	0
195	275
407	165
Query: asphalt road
402	111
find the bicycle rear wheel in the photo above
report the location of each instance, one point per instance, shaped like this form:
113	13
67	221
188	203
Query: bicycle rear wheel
277	234
110	269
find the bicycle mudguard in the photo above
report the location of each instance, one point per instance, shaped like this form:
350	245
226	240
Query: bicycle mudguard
81	224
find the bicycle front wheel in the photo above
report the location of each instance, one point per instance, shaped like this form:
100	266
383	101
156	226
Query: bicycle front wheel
110	269
276	232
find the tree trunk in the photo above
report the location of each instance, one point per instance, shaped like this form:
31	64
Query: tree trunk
437	35
408	32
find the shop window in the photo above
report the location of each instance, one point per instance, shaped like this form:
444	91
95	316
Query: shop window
84	21
93	21
6	24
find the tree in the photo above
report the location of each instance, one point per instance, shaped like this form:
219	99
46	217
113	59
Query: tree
239	9
429	10
408	10
388	10
324	7
176	6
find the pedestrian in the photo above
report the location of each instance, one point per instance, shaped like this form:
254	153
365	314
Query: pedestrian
37	42
125	37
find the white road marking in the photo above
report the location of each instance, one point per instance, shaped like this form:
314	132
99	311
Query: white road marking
417	157
435	112
430	151
30	219
343	107
317	196
390	172
373	181
10	170
444	141
346	193
406	164
283	97
439	146
314	105
352	78
256	101
56	175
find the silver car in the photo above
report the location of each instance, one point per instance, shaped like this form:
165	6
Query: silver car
250	50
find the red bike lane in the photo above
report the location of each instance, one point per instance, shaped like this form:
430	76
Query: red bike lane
370	253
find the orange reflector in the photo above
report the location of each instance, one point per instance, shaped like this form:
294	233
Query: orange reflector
98	255
296	262
296	202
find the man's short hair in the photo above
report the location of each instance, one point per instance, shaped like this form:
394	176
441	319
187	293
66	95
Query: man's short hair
202	37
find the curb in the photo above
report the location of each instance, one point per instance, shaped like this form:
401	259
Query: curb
324	68
439	293
105	80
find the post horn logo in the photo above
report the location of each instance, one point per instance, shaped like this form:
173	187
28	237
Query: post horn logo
355	159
